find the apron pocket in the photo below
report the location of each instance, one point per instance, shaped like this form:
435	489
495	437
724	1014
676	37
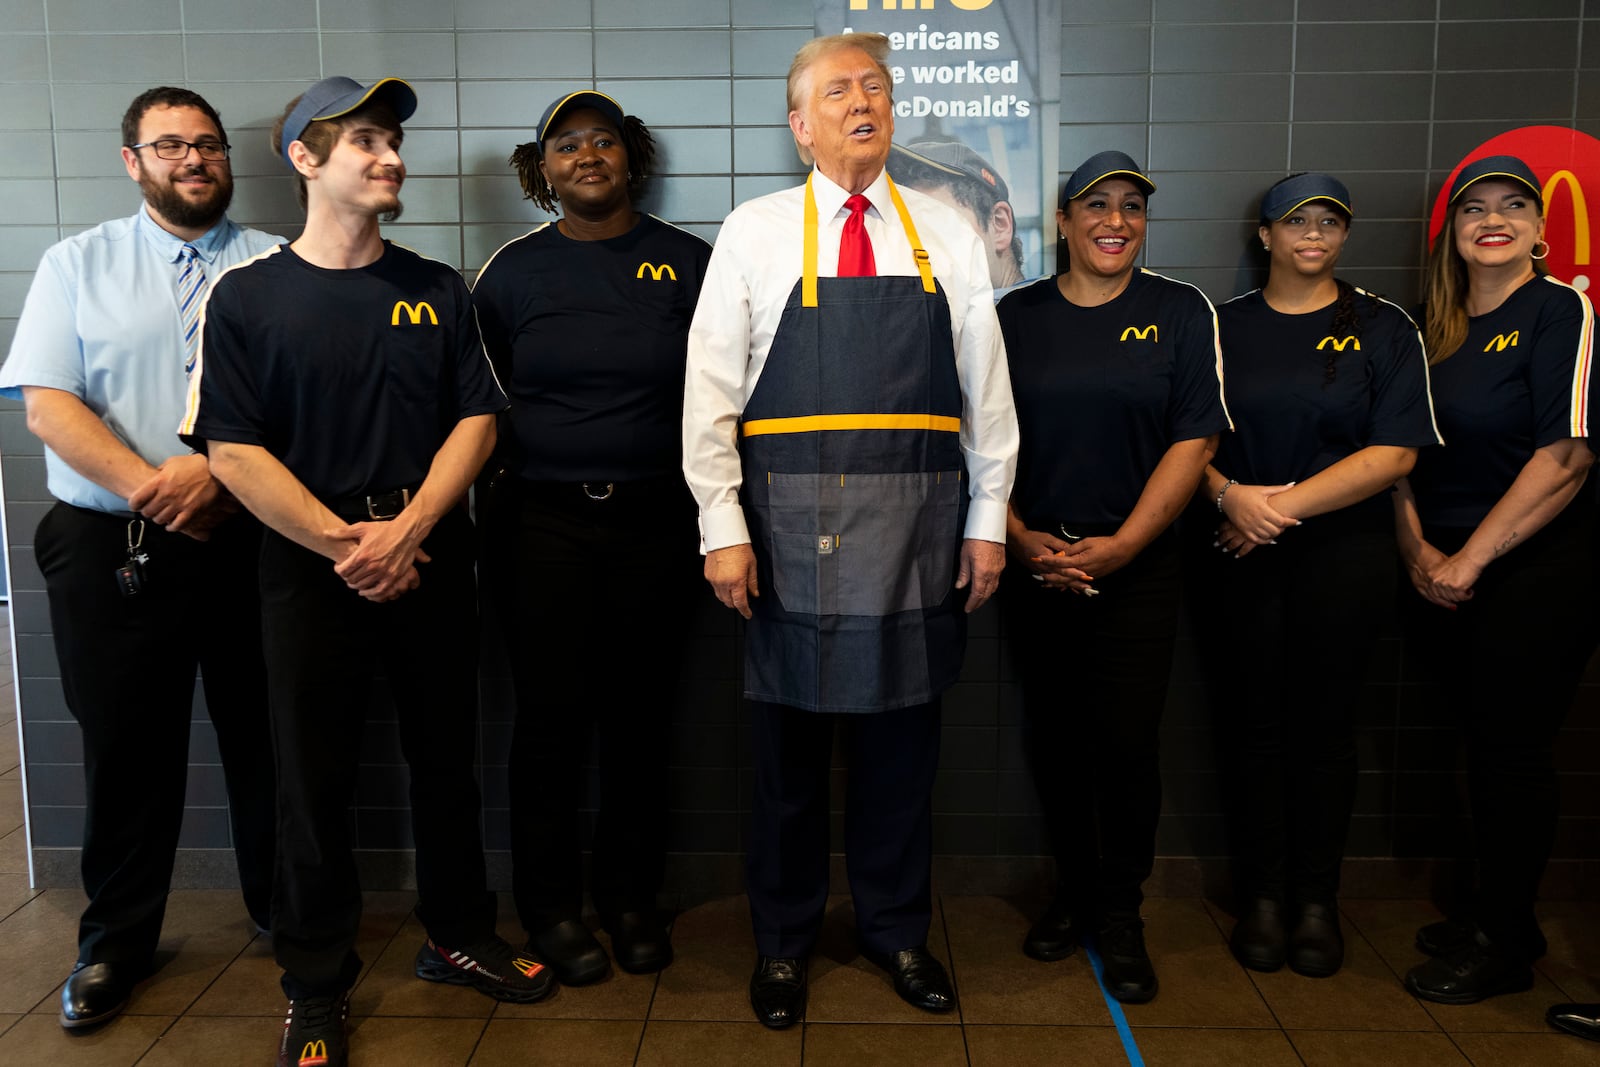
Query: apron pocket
897	548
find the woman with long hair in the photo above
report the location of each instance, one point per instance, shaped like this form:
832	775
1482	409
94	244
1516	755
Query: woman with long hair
1328	389
1496	536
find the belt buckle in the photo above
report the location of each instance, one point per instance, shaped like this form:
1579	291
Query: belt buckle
374	503
604	494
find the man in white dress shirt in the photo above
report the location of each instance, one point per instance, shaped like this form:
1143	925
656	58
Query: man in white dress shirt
850	439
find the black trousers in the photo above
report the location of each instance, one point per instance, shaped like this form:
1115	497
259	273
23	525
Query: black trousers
1292	627
892	758
324	644
1094	673
1510	660
565	573
128	669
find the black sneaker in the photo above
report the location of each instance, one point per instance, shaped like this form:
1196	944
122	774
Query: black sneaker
314	1033
1129	974
490	966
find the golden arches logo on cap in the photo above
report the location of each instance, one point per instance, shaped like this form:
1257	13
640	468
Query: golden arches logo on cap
338	95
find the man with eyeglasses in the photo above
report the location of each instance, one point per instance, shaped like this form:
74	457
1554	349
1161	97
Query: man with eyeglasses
148	562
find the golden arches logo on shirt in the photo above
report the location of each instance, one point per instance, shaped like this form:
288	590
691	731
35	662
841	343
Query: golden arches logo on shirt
656	273
413	312
1339	343
1140	333
1502	341
1567	163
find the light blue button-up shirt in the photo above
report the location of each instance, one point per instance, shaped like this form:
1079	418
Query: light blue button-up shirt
101	322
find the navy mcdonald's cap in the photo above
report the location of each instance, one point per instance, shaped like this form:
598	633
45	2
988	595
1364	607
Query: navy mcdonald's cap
953	158
583	98
1302	189
1504	168
338	95
1100	166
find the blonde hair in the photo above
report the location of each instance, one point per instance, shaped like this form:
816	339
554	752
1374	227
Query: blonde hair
1444	293
875	45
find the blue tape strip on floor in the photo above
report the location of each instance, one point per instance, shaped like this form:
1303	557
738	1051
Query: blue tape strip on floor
1121	1020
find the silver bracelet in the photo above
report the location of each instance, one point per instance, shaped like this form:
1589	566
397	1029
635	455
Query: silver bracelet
1224	492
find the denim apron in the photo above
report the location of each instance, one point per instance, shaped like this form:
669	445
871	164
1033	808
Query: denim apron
855	493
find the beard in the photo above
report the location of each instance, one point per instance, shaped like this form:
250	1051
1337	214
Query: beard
168	201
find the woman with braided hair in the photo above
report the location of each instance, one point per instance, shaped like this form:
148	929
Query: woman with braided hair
586	320
1329	391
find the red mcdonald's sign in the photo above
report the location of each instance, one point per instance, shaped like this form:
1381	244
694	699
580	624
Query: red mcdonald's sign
1568	163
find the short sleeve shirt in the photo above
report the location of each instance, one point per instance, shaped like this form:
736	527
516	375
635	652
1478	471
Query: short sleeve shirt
101	322
351	378
1303	399
1103	392
589	339
1519	382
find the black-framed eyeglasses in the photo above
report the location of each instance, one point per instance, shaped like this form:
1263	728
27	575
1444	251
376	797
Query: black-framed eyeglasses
172	148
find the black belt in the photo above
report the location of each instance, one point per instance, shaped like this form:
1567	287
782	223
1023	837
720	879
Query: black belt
644	488
374	507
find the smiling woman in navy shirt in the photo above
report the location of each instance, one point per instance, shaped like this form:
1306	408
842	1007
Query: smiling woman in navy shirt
1328	388
1497	539
591	555
1118	385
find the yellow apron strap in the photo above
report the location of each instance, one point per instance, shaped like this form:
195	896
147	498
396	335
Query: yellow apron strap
808	282
924	264
808	286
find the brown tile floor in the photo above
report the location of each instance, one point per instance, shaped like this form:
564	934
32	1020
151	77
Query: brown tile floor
215	999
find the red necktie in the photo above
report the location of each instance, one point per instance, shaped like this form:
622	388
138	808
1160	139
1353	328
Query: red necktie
855	248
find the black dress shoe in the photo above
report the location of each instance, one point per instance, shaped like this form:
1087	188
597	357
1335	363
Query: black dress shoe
778	991
1316	946
639	942
1054	937
1580	1019
1259	940
1470	974
1129	974
1452	935
95	993
919	979
572	952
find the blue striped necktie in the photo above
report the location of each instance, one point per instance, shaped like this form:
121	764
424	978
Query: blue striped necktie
192	286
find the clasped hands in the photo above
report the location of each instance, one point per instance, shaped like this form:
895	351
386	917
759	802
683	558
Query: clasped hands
381	558
183	497
1250	520
1065	565
1440	579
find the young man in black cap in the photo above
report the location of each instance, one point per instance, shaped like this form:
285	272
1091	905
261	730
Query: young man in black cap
954	174
344	396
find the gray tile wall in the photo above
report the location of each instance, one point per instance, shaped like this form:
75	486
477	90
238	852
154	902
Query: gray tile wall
1220	97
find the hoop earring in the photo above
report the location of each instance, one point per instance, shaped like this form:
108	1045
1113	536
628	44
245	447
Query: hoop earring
1536	244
